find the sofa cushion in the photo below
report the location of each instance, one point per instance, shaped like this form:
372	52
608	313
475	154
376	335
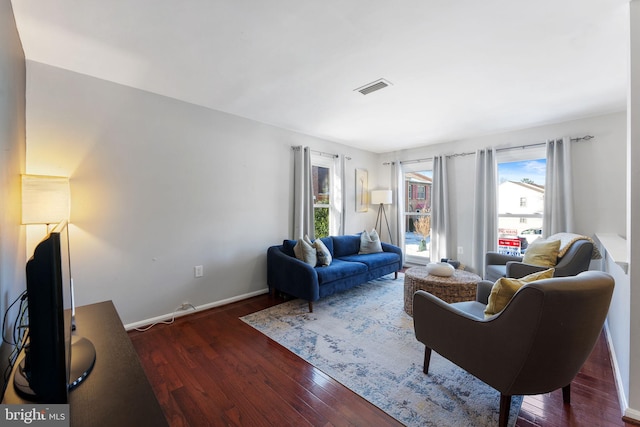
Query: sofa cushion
543	253
370	242
505	288
339	269
495	271
287	247
328	243
346	245
373	260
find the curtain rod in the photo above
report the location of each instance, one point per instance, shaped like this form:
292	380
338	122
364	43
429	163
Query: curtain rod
320	153
519	147
540	144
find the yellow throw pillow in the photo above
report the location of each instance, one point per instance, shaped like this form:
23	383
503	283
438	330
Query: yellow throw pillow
505	288
543	253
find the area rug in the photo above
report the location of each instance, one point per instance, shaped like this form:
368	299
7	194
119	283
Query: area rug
363	339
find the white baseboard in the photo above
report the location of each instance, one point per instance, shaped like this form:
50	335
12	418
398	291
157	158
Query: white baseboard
632	414
203	307
622	397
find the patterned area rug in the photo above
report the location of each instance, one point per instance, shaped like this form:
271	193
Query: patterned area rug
363	339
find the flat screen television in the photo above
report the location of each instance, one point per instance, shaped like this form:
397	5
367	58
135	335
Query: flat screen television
55	361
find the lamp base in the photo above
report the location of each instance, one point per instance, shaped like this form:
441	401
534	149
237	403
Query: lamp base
381	213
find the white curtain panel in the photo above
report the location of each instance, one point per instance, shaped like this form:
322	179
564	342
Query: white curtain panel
558	203
485	208
336	224
440	211
398	190
302	194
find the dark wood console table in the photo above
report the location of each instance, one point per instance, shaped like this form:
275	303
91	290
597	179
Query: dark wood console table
117	391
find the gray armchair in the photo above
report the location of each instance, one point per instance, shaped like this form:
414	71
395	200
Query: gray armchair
537	344
575	261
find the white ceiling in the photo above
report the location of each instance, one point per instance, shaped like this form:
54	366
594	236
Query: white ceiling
459	68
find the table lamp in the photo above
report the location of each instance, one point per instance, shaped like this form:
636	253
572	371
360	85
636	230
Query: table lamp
45	199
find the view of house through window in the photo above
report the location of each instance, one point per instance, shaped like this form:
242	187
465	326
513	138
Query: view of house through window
321	199
521	180
520	203
417	212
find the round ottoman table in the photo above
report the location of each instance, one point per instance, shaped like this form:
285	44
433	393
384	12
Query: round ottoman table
461	286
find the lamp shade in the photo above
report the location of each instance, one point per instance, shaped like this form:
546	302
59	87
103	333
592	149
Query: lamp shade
45	199
384	197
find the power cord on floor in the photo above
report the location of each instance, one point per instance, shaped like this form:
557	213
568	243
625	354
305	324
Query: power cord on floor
181	307
20	326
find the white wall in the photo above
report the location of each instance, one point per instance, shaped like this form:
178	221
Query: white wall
633	226
160	186
12	158
618	323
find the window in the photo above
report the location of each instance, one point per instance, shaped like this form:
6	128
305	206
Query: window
417	212
521	179
322	171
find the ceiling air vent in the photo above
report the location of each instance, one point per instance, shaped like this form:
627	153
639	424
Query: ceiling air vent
373	86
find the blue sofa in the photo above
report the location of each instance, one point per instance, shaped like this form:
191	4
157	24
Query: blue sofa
292	276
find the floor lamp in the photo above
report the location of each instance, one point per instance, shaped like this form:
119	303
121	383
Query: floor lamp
381	198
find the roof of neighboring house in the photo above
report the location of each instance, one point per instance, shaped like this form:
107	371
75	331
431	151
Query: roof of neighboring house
535	187
417	177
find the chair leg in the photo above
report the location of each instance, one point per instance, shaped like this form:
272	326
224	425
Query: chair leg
505	407
396	276
566	393
427	360
310	306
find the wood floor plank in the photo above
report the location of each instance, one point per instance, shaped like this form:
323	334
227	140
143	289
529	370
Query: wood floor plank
210	368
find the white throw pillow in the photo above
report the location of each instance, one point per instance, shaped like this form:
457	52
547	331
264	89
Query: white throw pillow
370	242
305	252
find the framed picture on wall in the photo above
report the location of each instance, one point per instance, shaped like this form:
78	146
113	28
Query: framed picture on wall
362	190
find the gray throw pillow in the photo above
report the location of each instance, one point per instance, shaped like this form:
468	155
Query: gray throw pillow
324	256
370	242
305	252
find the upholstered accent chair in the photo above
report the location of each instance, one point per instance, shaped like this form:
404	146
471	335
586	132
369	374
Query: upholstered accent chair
535	345
574	261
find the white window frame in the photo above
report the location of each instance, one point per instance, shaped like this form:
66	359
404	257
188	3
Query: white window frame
518	155
408	168
323	161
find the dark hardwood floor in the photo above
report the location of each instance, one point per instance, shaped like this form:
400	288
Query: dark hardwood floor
209	368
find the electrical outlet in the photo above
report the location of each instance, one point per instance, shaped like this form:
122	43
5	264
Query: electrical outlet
198	271
460	250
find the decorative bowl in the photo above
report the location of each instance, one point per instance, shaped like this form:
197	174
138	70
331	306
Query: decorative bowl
442	269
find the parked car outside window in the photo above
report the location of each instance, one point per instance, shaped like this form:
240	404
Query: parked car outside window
531	234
